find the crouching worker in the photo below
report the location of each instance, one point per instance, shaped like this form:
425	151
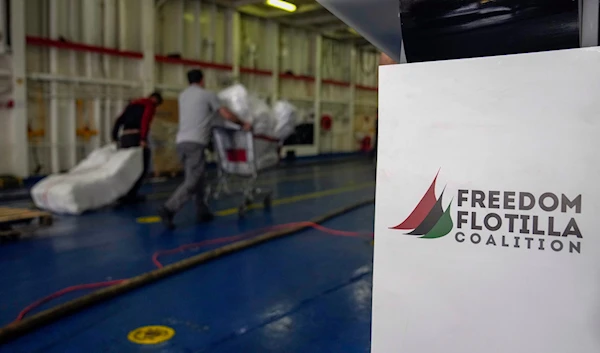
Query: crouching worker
198	108
135	124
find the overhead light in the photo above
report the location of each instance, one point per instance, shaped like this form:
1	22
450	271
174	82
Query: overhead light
282	5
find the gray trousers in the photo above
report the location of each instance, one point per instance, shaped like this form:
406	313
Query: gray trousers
192	157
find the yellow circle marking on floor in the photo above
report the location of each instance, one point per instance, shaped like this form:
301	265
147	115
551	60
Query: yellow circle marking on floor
149	219
151	334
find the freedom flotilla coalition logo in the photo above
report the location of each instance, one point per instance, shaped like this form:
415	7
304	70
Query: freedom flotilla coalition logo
499	218
429	220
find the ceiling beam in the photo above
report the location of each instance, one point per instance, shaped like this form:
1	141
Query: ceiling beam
361	42
349	36
317	20
333	27
239	3
253	11
284	20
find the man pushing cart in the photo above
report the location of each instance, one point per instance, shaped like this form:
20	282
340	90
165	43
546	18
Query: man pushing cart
197	109
238	151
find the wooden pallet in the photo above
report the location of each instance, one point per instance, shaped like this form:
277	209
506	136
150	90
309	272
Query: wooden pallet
13	216
22	215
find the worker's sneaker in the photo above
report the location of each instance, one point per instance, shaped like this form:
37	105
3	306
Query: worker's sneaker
167	217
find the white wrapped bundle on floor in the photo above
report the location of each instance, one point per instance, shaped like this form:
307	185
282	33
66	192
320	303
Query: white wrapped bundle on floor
261	118
286	118
236	99
103	177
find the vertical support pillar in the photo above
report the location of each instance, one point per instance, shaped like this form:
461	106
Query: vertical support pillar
54	113
20	150
213	32
236	42
352	98
3	33
123	45
107	120
198	30
89	29
96	123
296	40
147	32
87	32
69	129
109	24
119	106
148	41
318	85
73	33
275	50
179	19
121	10
589	10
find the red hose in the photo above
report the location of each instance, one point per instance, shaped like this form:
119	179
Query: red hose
63	292
157	263
241	236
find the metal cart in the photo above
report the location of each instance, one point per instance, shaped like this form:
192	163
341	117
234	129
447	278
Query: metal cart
242	155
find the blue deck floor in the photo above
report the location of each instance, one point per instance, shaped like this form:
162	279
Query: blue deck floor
309	292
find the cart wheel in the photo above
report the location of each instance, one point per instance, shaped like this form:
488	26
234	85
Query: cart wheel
268	202
242	211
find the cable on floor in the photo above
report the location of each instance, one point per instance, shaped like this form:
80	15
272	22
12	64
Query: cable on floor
111	289
208	242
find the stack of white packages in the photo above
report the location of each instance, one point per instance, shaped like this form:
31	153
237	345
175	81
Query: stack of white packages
286	118
278	122
103	177
236	99
261	118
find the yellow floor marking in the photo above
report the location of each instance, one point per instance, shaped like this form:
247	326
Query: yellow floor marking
277	202
304	176
276	179
149	219
151	334
298	198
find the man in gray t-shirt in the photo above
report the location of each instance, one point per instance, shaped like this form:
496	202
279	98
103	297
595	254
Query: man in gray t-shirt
197	110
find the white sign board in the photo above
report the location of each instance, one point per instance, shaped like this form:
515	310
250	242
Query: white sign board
487	229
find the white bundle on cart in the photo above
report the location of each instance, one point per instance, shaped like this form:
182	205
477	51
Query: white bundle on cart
263	122
236	98
286	118
101	179
278	122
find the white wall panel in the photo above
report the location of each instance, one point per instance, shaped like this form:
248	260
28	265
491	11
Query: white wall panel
367	63
336	60
91	88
